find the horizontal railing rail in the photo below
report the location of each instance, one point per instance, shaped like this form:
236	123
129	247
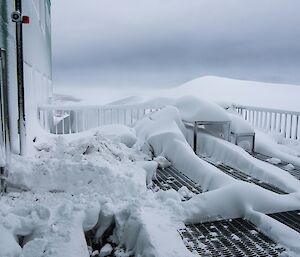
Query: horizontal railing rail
282	122
68	119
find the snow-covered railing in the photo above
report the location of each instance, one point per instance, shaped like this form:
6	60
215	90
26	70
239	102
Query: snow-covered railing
68	119
285	123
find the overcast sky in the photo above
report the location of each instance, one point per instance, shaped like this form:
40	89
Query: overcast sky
167	42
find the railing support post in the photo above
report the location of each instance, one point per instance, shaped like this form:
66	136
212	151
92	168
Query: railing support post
195	136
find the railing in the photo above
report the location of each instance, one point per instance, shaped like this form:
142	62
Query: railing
77	118
285	123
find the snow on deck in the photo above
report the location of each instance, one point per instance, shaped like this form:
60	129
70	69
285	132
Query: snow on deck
95	186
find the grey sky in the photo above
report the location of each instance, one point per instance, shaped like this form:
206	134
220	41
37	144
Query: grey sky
166	42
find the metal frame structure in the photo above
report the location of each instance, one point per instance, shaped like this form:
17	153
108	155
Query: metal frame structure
239	136
196	125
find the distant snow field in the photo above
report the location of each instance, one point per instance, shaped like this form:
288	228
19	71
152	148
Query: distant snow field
218	89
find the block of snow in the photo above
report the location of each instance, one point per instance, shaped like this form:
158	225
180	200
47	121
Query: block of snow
105	250
238	125
274	160
162	162
289	167
196	109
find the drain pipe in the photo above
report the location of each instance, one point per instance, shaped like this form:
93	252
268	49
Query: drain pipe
17	17
4	120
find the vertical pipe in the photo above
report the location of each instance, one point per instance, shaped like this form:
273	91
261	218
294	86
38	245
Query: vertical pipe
285	124
297	127
70	123
253	143
63	124
76	121
4	118
195	137
280	121
291	127
20	79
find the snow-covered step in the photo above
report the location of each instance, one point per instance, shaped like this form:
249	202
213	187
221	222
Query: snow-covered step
170	177
290	218
242	176
237	237
292	169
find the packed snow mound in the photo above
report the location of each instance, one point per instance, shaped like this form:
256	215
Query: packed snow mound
115	132
239	125
196	109
278	147
88	160
219	89
164	132
234	156
139	101
235	200
226	91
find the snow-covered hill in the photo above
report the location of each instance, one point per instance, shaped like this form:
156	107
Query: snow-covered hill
280	96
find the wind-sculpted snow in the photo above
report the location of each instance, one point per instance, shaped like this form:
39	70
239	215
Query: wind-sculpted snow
87	182
93	182
226	197
196	109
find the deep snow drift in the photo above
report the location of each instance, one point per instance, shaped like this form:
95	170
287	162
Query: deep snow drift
99	182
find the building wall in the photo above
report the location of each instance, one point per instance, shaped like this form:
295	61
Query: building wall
37	61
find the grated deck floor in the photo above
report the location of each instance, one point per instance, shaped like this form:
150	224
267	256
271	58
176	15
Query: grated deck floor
172	178
237	237
242	176
282	165
290	218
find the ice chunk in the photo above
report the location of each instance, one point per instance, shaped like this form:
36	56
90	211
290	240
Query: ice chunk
274	160
105	250
162	162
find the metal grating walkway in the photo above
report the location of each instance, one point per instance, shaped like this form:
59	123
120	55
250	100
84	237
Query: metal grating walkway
172	178
290	218
282	165
236	237
224	238
242	176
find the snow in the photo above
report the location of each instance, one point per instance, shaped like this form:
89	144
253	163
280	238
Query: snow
279	149
279	232
224	91
239	126
97	182
105	250
196	109
239	159
162	162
